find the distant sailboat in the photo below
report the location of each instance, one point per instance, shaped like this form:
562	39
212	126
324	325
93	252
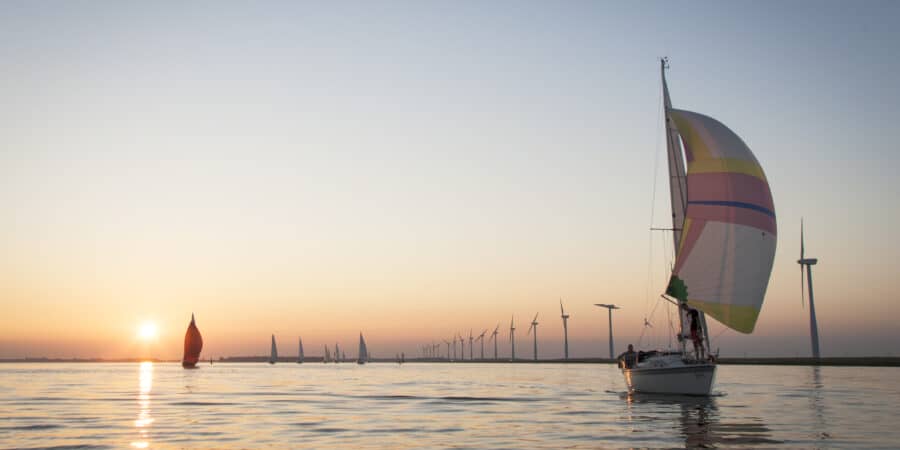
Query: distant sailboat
300	352
327	357
337	354
193	344
363	352
273	357
724	234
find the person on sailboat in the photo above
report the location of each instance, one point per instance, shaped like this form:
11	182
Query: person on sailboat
629	358
696	333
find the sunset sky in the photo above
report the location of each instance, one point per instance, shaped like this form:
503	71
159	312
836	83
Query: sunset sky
416	169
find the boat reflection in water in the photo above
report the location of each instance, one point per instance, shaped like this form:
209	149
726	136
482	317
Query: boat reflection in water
700	421
143	422
817	402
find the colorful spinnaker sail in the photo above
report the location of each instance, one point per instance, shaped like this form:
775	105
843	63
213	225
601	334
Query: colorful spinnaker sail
193	344
727	247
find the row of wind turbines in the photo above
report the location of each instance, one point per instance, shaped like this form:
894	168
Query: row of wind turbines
432	350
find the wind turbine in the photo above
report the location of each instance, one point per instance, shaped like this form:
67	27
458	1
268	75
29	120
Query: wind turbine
462	346
813	325
481	338
494	337
471	339
448	349
610	308
512	337
565	318
454	347
533	326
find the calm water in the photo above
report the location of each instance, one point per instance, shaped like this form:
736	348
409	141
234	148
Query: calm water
436	405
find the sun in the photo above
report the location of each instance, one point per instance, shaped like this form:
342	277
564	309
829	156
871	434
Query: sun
147	331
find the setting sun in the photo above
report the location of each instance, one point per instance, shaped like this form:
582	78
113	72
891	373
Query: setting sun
147	331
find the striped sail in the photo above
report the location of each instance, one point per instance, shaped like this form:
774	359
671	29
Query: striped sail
727	246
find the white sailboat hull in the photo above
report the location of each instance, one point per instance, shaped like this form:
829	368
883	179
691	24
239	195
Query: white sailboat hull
671	375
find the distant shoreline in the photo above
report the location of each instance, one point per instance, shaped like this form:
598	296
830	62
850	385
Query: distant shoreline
857	361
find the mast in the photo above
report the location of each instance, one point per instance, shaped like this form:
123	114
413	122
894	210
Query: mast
678	192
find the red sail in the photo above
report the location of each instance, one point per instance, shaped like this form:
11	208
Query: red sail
193	343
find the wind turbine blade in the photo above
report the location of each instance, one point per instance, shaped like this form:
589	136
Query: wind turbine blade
535	318
561	311
802	288
801	238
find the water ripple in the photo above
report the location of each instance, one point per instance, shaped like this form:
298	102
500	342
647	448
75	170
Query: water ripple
434	405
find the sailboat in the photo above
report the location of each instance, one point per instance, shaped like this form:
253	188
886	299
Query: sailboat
300	351
193	344
724	230
273	356
327	356
337	353
363	352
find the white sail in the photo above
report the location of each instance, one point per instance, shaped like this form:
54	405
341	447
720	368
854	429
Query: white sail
300	351
363	351
273	356
677	176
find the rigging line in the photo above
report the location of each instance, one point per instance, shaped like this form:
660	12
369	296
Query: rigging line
656	153
644	329
724	329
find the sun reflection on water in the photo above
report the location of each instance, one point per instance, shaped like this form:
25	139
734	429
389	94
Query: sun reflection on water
143	422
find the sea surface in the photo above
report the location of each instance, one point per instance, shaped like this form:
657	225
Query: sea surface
472	405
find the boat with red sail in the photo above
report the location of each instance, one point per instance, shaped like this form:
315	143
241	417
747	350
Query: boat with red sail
193	344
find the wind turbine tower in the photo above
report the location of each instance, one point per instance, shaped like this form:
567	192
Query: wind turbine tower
610	308
813	325
448	349
481	338
512	337
462	346
565	318
471	340
534	324
494	337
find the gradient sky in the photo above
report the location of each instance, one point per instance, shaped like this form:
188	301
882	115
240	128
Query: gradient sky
414	169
